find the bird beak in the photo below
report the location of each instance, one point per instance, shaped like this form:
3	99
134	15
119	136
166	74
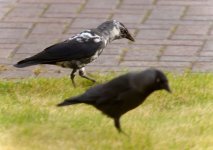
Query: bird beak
167	88
129	37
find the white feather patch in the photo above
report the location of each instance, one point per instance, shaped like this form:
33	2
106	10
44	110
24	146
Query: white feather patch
79	39
97	40
115	32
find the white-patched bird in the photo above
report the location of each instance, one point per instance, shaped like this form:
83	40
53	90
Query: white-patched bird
80	49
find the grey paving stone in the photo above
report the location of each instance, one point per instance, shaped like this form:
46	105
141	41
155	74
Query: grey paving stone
153	34
172	35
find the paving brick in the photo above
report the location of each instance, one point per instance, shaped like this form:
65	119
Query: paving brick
4	10
167	12
53	1
170	42
37	19
184	2
86	23
153	34
198	18
72	31
203	67
128	18
211	32
153	26
95	15
190	29
48	28
8	46
205	58
18	25
31	48
141	57
6	62
101	4
177	70
97	10
8	1
135	2
63	8
12	33
5	53
200	10
27	11
114	49
208	46
20	56
136	7
123	41
11	41
181	50
130	11
60	15
114	11
207	53
103	69
42	39
148	48
55	74
29	6
178	22
105	60
15	74
176	58
192	37
140	52
155	64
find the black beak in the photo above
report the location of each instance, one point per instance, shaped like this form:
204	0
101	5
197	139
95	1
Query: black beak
129	37
167	88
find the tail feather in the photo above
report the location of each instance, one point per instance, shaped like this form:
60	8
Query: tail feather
69	102
26	63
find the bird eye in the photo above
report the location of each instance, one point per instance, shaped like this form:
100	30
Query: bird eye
124	32
158	80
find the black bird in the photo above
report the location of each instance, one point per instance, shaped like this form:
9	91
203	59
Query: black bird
80	49
122	94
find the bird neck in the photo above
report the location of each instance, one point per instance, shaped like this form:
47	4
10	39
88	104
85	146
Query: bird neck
109	34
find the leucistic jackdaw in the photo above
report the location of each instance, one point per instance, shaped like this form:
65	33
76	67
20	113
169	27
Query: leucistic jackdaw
79	50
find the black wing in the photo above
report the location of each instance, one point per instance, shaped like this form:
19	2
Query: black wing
64	51
106	93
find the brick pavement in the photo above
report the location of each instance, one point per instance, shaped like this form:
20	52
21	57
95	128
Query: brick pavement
174	35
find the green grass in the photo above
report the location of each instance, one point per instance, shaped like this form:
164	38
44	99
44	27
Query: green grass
29	119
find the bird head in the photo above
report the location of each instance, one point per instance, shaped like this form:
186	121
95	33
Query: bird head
161	82
115	30
150	80
124	33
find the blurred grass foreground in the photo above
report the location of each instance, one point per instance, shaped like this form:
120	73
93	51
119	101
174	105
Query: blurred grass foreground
29	119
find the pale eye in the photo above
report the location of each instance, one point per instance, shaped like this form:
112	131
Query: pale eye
122	31
158	80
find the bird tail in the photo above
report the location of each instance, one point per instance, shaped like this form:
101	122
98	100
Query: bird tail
70	101
26	62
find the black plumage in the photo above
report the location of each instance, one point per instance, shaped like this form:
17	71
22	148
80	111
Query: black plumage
80	49
122	94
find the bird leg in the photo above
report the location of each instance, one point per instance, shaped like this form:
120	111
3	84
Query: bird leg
117	124
82	73
72	76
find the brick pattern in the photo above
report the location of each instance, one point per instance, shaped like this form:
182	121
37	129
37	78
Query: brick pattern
173	35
